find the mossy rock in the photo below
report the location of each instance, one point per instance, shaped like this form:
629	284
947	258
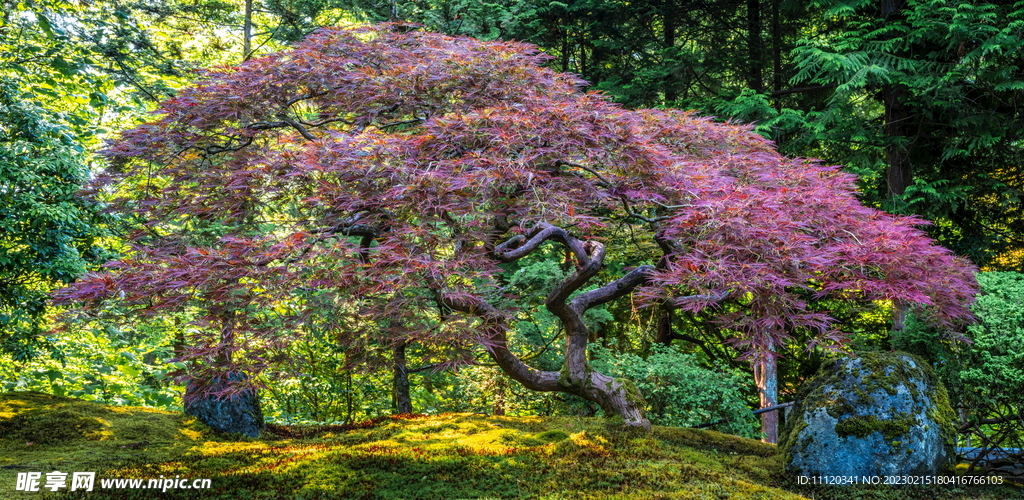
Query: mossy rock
872	414
237	413
551	436
150	428
42	419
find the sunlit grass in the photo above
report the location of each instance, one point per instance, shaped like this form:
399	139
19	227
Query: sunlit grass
447	456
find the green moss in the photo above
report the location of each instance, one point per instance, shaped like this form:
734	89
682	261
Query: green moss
838	407
712	440
818	392
567	382
435	429
790	432
633	394
885	373
424	457
551	436
50	426
630	390
518	439
614	421
43	419
942	413
863	426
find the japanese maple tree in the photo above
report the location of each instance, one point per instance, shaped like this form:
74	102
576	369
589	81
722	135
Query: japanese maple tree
387	175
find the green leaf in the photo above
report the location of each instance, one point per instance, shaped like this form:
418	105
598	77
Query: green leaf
44	24
53	375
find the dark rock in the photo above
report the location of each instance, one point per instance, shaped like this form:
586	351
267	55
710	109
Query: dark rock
236	413
875	414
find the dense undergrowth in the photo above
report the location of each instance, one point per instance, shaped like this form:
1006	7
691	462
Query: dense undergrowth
447	456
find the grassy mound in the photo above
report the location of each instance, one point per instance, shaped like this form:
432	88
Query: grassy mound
42	419
406	457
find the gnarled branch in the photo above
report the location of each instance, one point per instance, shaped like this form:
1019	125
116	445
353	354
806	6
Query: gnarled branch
532	378
613	290
519	246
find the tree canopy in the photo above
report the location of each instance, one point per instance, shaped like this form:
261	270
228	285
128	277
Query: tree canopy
920	98
394	176
47	234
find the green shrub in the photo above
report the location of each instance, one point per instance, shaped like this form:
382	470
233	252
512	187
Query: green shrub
993	366
985	377
681	393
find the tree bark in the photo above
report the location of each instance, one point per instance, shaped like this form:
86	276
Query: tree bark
498	408
766	378
665	335
899	172
349	398
402	399
899	315
755	76
776	52
393	16
617	397
239	412
668	19
247	32
565	49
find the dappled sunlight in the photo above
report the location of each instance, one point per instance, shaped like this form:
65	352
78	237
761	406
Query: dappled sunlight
436	249
414	456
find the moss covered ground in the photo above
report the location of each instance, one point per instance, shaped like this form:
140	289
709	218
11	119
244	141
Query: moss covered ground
448	456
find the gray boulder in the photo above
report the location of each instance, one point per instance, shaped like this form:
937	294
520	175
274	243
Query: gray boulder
238	413
873	414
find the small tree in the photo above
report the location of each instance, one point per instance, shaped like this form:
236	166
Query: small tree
986	377
391	174
47	236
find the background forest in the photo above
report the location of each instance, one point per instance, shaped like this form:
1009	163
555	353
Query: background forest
920	99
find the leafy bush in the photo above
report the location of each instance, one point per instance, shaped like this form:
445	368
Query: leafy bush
122	364
985	377
680	392
994	364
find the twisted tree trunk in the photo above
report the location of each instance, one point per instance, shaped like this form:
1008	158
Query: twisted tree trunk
617	397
